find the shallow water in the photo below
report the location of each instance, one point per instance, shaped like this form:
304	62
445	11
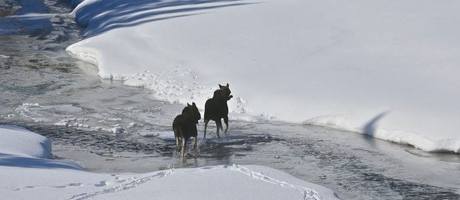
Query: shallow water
107	127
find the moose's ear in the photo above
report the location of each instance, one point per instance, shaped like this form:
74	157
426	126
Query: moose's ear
188	104
228	85
193	103
220	86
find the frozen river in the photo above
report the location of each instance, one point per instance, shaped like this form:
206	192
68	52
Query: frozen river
107	127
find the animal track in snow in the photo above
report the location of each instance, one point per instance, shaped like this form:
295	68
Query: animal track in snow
122	187
49	186
101	184
177	85
309	194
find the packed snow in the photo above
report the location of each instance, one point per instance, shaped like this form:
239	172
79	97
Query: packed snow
291	60
27	174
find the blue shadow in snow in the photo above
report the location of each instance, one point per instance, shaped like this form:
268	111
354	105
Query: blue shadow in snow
12	127
122	13
9	160
370	129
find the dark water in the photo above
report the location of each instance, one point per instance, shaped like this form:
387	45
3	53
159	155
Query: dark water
45	90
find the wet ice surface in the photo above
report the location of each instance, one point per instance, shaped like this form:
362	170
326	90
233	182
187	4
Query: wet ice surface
107	127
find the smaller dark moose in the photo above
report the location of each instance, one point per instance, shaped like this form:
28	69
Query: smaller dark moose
184	125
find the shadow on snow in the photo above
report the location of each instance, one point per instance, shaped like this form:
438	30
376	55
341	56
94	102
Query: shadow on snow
8	160
103	16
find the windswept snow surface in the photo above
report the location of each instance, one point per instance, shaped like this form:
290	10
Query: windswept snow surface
389	68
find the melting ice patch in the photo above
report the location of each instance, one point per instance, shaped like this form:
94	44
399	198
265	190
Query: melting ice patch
34	16
166	135
45	113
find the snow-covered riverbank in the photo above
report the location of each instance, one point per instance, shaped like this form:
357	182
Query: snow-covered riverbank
43	90
387	69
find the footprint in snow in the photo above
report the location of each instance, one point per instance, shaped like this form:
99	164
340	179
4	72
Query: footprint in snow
101	184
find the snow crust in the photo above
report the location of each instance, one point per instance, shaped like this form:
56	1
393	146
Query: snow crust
394	64
16	140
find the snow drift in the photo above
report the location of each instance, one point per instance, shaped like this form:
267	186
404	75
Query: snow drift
22	148
391	64
19	141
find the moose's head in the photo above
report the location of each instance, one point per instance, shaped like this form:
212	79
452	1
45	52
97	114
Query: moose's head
193	112
226	91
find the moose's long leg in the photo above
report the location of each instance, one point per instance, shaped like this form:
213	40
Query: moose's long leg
226	124
206	121
184	143
176	135
195	142
219	125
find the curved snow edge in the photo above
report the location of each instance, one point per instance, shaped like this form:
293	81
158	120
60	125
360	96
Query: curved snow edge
78	4
396	136
17	140
331	121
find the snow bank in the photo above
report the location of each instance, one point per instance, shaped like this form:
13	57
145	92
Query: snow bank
19	141
419	142
26	177
291	59
76	3
336	122
215	182
396	136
